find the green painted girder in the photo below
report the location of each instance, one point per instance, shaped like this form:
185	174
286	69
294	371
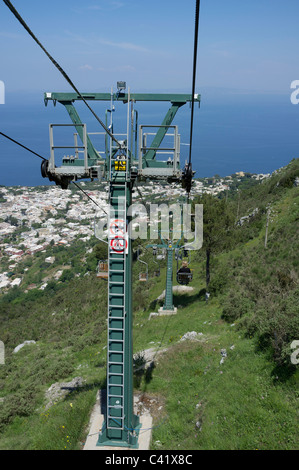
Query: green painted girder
168	305
182	98
91	151
151	154
149	159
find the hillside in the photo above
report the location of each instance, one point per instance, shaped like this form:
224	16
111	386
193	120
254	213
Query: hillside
232	387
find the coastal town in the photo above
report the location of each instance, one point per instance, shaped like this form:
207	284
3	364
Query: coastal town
34	219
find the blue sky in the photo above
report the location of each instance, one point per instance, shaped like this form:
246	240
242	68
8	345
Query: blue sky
248	46
247	60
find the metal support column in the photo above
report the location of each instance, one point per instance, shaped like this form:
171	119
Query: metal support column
168	305
121	426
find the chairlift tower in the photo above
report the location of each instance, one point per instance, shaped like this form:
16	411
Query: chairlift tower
170	246
168	306
134	159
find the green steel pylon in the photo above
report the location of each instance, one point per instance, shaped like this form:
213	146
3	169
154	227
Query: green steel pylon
168	304
121	426
120	168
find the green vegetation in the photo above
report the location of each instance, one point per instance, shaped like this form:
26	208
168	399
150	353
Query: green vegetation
244	399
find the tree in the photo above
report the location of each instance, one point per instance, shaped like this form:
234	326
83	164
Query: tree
12	220
101	251
217	221
67	275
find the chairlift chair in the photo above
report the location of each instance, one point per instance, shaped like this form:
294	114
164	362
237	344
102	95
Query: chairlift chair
184	278
143	276
103	269
161	256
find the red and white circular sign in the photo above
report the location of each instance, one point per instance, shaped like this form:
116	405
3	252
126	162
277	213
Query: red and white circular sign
118	244
117	227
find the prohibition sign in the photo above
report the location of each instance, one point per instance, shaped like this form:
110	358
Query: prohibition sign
117	227
118	244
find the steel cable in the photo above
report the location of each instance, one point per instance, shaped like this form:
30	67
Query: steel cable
194	74
23	146
45	159
20	19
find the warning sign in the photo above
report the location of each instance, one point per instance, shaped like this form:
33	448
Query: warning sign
118	237
118	245
117	227
120	165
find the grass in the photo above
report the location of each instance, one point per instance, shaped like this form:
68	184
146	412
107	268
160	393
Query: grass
237	405
62	427
240	404
247	402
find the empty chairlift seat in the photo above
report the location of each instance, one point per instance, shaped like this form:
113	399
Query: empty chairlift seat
143	277
103	269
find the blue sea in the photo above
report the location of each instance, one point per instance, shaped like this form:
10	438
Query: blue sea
232	132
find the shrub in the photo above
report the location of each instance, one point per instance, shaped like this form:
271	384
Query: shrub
218	282
236	305
277	325
21	403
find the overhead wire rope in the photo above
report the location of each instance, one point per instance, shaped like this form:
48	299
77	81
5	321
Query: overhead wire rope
23	146
197	10
44	159
189	174
87	195
23	23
